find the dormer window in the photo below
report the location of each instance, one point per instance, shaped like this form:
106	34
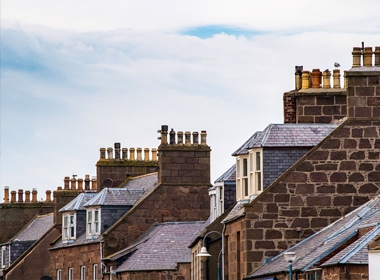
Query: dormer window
68	227
93	222
256	171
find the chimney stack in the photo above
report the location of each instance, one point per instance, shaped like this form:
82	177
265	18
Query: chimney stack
34	195
20	195
27	196
6	194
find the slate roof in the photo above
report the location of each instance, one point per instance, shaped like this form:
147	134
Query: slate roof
287	135
312	250
35	229
163	246
115	197
78	202
228	176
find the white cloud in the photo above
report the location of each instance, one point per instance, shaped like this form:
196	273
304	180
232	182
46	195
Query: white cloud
65	93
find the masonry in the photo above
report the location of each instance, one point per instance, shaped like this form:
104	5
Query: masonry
332	179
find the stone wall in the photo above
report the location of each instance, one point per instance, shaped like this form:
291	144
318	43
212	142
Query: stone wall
75	257
182	273
344	272
164	204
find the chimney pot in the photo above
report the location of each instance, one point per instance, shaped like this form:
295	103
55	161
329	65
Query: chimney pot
367	57
195	138
117	150
139	153
102	153
87	182
67	183
94	184
146	154
377	56
27	196
13	196
336	76
73	183
48	196
132	154
125	153
298	77
187	138
110	153
20	195
316	78
180	138
34	195
80	184
356	57
172	137
305	79
203	137
326	79
164	134
154	154
6	194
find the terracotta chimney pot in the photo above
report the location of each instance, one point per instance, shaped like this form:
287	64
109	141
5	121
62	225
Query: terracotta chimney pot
6	194
203	137
316	78
27	196
132	154
336	75
80	184
20	195
13	196
67	183
146	154
326	79
356	57
367	57
34	195
48	196
377	56
154	154
305	79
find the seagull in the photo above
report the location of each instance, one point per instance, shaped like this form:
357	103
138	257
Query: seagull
336	64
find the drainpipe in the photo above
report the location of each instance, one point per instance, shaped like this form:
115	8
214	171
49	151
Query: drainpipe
224	229
101	262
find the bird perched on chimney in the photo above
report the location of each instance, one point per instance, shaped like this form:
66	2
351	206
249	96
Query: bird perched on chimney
336	64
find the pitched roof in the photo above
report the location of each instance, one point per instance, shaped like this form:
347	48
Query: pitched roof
78	202
36	228
115	197
287	135
164	246
228	176
312	250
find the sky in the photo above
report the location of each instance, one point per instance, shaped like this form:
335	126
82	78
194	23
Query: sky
77	76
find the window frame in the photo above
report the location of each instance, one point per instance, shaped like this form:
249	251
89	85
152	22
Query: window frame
3	257
59	274
95	271
71	273
69	226
82	272
256	170
93	222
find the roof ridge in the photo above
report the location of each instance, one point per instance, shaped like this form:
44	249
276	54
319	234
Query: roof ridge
144	175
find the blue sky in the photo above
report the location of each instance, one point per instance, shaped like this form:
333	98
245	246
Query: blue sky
78	76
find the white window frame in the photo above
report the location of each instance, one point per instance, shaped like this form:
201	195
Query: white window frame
69	226
59	274
3	257
82	272
93	222
95	272
71	274
256	170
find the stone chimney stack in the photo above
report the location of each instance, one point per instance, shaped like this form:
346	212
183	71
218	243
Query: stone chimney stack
183	164
363	87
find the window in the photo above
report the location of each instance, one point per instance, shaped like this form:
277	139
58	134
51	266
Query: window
82	273
3	256
245	177
256	171
314	274
93	222
71	273
59	274
68	230
95	272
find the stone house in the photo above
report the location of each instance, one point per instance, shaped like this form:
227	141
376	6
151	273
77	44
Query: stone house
335	177
178	192
334	252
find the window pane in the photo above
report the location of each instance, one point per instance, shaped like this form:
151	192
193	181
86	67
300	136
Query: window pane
246	193
238	168
258	161
71	219
65	221
96	215
258	181
245	167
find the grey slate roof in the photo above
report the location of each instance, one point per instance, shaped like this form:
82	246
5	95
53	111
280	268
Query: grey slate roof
78	202
163	246
228	176
35	229
287	135
115	197
312	250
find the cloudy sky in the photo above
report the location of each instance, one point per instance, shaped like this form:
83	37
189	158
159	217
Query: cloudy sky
80	75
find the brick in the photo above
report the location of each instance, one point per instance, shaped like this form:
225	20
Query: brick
263	224
344	132
296	201
366	166
342	201
304	188
273	234
319	222
364	144
255	234
330	213
359	155
331	144
300	222
318	201
374	176
338	155
272	208
290	213
338	177
305	166
346	188
308	211
350	143
264	245
368	188
326	189
356	177
360	200
319	155
281	198
347	165
326	166
318	177
255	256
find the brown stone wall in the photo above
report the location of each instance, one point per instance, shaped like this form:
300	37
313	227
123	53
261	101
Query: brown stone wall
75	257
181	164
61	198
334	178
35	262
352	272
14	216
182	273
165	204
315	105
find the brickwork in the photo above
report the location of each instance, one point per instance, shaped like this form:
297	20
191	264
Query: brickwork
121	164
165	204
315	105
352	272
75	257
14	216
